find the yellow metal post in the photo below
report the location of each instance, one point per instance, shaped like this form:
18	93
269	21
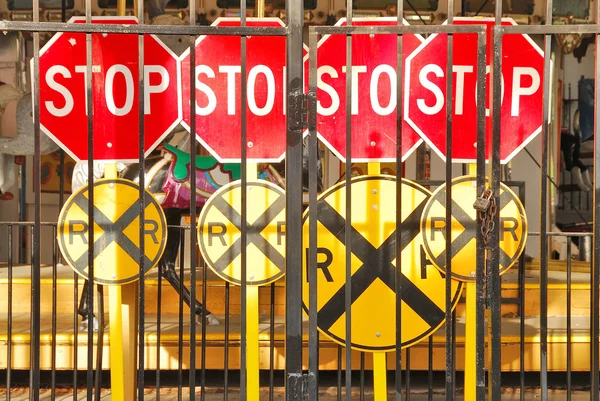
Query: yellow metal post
123	309
252	358
379	358
470	341
471	330
379	377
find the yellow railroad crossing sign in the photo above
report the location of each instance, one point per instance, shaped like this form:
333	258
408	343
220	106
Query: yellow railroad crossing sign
513	228
220	229
373	247
116	231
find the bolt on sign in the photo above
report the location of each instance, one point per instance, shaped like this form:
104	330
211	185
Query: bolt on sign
373	108
521	98
218	87
116	231
220	232
513	228
63	94
374	264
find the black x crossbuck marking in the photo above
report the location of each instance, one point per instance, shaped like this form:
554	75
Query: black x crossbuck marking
470	229
253	231
377	264
113	231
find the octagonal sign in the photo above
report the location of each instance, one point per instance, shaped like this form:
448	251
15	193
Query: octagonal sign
522	92
373	108
115	70
218	93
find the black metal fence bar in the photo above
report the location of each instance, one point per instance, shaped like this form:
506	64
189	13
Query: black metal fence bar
293	168
449	327
141	335
9	324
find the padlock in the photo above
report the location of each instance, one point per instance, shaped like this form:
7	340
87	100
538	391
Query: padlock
482	203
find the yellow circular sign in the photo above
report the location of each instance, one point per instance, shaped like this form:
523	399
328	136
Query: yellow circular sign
513	228
373	266
116	214
220	232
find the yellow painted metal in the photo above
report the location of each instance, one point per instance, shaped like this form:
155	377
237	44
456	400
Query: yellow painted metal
116	231
219	232
470	342
122	306
379	376
374	168
373	224
252	345
513	228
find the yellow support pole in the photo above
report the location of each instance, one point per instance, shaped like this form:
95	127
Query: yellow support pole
471	331
470	341
123	318
379	358
379	377
252	357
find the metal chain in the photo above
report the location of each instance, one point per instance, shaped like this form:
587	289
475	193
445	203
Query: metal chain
487	218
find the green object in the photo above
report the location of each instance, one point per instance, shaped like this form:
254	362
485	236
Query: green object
205	163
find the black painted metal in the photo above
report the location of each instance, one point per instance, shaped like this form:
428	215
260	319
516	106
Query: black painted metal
34	369
449	328
569	332
313	336
180	342
55	253
226	350
293	203
272	344
9	328
480	258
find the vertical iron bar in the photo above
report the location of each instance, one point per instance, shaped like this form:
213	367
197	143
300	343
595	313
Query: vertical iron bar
34	375
480	258
348	215
448	227
226	351
362	376
23	203
55	254
244	205
293	170
313	341
203	345
142	195
595	273
493	267
90	138
430	369
193	261
180	337
407	382
9	328
100	341
569	350
272	343
522	274
158	324
398	231
544	206
339	373
75	333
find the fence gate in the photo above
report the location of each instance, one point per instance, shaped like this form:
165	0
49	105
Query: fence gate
197	226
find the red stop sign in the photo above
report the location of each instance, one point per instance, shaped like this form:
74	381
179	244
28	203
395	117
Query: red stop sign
218	86
522	94
373	108
115	70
